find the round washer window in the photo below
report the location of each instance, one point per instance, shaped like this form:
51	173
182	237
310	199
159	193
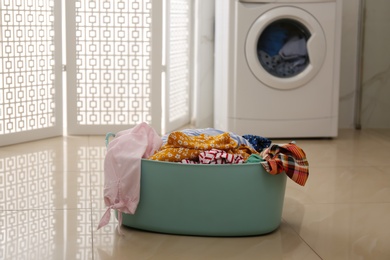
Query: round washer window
282	48
297	25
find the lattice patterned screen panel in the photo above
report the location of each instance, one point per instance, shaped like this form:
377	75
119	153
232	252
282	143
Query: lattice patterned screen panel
113	59
178	61
27	66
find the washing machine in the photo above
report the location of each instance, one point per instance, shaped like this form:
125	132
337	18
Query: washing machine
277	67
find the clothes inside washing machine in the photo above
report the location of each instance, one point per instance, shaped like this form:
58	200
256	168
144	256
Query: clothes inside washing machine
282	49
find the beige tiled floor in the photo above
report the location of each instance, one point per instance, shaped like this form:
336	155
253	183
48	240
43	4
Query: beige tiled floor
51	201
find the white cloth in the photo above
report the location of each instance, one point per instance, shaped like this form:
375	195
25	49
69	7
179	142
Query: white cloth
294	48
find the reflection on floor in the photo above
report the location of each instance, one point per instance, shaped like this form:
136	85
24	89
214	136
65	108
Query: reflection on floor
51	202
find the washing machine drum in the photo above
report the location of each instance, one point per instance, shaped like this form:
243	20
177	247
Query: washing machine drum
285	48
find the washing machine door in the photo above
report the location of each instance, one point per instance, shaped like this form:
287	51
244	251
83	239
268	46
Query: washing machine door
285	48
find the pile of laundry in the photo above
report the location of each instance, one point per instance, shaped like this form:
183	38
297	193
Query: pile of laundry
213	146
122	163
282	50
208	146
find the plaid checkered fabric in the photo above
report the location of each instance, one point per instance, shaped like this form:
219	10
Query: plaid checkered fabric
288	158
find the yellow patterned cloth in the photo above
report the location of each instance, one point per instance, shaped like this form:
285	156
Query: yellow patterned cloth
180	146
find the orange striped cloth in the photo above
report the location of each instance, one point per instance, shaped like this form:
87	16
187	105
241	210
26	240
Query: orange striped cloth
288	158
181	146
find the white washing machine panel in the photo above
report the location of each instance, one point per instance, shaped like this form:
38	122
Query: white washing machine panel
250	98
286	1
316	47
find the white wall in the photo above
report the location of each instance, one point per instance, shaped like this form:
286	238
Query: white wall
375	81
349	61
203	91
375	111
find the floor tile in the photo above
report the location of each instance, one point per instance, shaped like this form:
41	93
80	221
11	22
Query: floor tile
356	184
51	201
342	231
45	234
35	181
284	243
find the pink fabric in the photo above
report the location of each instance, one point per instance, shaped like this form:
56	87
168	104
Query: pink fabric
216	156
122	169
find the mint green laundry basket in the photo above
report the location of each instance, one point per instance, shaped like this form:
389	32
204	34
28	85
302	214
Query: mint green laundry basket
208	200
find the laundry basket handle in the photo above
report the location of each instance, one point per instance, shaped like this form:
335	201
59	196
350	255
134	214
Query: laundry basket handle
108	135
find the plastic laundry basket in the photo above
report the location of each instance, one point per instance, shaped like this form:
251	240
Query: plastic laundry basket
208	200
